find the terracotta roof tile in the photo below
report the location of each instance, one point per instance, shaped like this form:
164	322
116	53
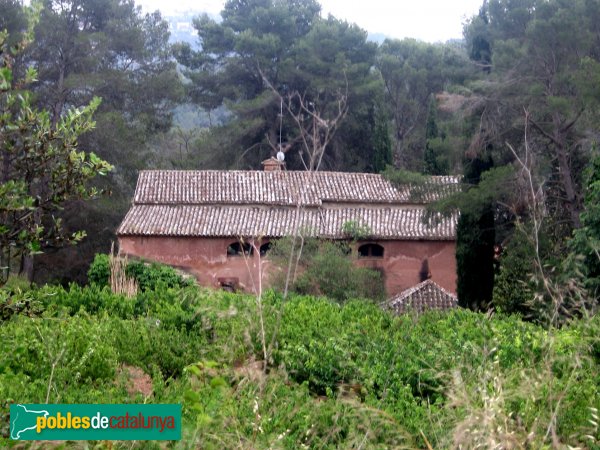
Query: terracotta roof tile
422	297
205	187
251	203
201	220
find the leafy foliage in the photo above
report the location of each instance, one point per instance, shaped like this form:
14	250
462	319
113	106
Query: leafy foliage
339	372
149	276
513	289
325	268
412	73
586	240
42	168
548	109
112	50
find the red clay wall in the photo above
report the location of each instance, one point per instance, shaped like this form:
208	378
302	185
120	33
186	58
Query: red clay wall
402	262
207	259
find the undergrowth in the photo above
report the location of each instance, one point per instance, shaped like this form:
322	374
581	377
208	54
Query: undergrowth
341	376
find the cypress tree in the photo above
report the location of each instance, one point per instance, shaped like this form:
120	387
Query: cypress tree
475	246
382	143
586	240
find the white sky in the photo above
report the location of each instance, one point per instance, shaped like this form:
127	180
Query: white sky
428	20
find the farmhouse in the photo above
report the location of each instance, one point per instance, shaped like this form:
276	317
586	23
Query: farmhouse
207	223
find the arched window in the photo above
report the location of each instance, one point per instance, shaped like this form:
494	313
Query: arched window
239	249
370	251
264	249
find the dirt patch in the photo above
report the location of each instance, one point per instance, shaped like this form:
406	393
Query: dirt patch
451	103
251	370
137	381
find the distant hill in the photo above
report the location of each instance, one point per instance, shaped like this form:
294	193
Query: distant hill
181	26
377	37
182	29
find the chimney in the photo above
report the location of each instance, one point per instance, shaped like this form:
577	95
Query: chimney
272	164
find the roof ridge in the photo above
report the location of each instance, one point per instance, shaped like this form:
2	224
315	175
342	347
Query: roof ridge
269	173
411	290
423	284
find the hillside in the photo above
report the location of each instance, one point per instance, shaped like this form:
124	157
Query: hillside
335	376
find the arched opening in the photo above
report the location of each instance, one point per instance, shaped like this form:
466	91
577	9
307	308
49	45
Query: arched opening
370	251
265	248
239	249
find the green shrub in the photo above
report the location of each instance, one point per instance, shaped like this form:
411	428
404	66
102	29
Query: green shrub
17	302
93	299
99	271
326	268
173	307
148	276
513	289
151	346
17	283
277	414
405	365
340	375
77	352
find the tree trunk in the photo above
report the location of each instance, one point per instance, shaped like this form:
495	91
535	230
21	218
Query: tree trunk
60	102
4	263
566	175
398	157
27	267
5	166
567	180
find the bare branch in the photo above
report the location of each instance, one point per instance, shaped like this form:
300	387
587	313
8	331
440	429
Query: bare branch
315	124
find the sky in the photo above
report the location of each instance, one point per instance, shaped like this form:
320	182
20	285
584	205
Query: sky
427	20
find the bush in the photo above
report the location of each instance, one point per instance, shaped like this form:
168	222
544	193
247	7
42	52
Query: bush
340	375
326	268
412	366
77	352
18	303
93	299
178	308
151	346
152	276
513	289
148	276
99	271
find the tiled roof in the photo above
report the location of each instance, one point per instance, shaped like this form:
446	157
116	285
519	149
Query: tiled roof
422	297
200	220
252	203
210	187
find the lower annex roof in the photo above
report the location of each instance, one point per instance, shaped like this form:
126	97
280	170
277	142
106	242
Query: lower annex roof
422	297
